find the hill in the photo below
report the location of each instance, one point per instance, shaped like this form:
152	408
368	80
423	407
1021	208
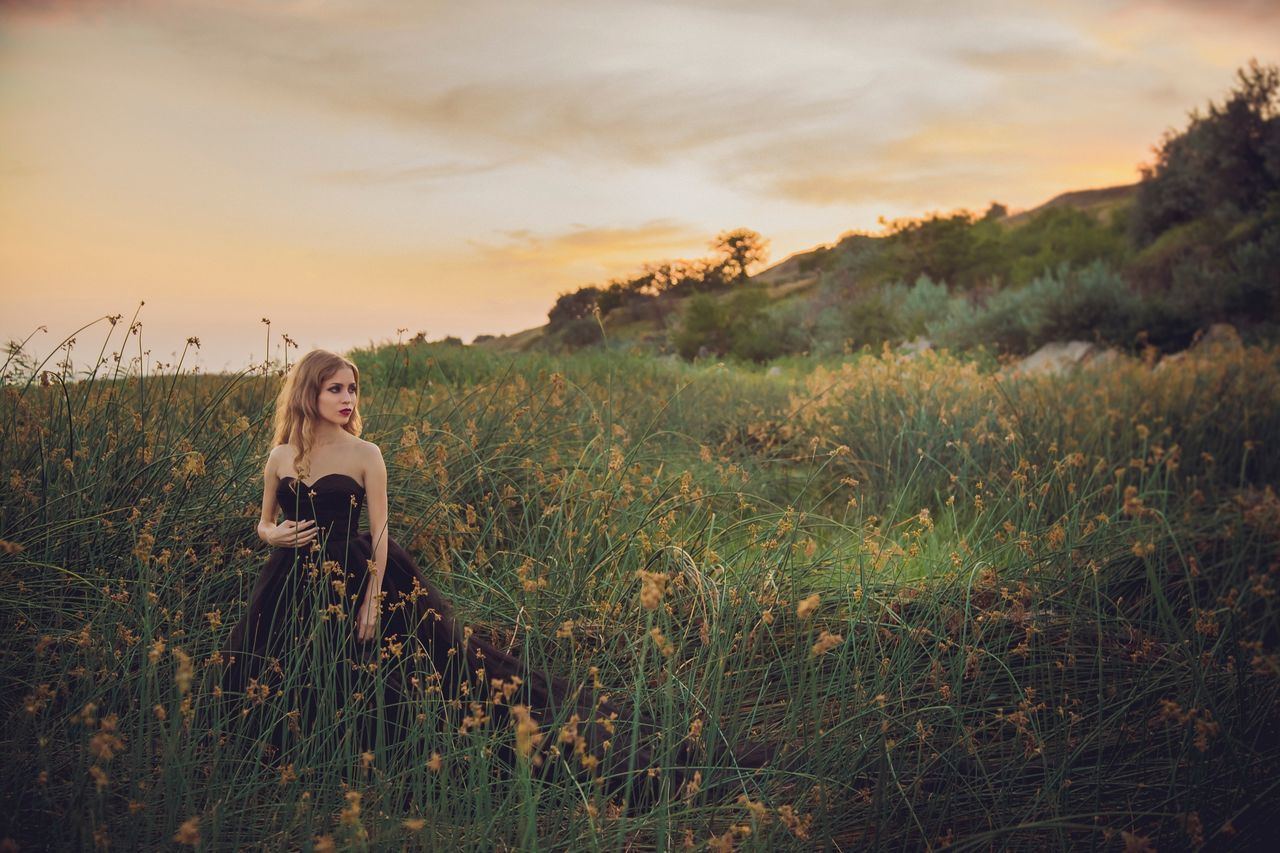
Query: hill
802	271
1153	264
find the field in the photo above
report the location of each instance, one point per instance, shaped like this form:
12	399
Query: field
970	610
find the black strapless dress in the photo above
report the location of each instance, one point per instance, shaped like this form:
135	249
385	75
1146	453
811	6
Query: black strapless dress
301	618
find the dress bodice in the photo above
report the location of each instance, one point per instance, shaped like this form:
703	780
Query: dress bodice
334	501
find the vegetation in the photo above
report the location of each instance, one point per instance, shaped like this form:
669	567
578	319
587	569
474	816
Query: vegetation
1195	242
651	294
971	611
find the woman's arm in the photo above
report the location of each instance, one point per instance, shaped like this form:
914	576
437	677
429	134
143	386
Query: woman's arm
287	534
375	492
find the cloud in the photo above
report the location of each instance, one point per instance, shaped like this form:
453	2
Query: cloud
611	250
640	86
1244	11
428	172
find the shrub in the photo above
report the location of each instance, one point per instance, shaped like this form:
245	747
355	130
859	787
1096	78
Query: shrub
1094	303
705	324
926	302
871	320
582	332
740	326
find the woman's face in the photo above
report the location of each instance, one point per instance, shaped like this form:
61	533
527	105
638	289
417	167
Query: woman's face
337	400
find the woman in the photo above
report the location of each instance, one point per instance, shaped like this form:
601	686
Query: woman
323	569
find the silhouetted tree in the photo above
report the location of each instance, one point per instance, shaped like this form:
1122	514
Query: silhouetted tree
1226	162
741	248
574	306
995	212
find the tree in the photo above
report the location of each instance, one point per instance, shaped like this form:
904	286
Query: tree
1226	163
741	248
995	212
574	306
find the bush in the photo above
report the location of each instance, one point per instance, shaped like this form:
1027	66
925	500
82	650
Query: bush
1061	235
705	324
739	326
926	302
582	332
871	320
1092	304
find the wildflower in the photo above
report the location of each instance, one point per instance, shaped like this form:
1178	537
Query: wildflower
99	777
664	645
695	730
1134	843
351	811
435	762
759	813
366	760
1143	549
1195	829
324	844
653	588
527	736
189	832
10	548
184	672
798	824
106	743
565	631
413	824
36	702
192	465
807	606
694	785
257	692
721	843
826	642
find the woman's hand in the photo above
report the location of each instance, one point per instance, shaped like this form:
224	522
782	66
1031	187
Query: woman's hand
293	534
367	618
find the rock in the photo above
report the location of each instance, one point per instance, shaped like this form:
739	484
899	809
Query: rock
1056	357
773	371
919	344
1170	361
1218	336
1108	357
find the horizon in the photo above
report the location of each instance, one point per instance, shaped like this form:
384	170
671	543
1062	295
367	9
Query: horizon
438	169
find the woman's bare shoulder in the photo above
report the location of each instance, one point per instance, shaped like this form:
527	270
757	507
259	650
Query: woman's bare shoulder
280	455
367	449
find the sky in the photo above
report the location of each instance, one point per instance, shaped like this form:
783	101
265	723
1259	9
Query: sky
351	168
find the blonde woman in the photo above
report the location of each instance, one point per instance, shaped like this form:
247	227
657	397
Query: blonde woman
332	597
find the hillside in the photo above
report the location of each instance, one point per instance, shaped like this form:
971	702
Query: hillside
1153	264
799	273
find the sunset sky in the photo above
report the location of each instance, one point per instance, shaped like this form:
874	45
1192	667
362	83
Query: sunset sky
350	167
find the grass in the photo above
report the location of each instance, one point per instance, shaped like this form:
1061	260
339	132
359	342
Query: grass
970	610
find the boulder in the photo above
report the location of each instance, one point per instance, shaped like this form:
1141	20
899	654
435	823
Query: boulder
1105	357
774	371
917	345
1057	357
1218	336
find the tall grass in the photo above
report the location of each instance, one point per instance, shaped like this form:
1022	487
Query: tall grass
969	609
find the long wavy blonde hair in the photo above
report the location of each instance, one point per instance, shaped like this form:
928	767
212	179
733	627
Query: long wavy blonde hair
296	410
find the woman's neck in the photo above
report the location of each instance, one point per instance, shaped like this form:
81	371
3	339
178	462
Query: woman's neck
326	434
